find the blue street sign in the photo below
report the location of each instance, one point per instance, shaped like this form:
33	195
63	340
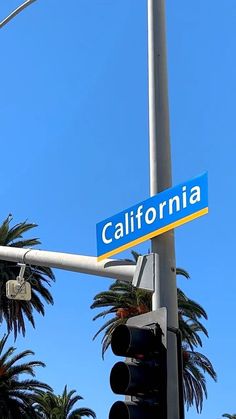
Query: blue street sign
156	215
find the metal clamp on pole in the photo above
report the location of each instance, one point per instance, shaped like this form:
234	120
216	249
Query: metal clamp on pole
20	278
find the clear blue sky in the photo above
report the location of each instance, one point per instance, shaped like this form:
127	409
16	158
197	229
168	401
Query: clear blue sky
74	151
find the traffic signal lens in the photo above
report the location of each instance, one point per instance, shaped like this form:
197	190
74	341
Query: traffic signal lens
120	342
118	410
133	341
133	379
129	410
120	378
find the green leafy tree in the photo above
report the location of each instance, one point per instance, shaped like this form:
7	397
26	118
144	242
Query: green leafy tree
51	406
16	393
123	301
14	312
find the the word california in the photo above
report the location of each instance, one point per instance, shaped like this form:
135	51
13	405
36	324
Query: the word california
156	215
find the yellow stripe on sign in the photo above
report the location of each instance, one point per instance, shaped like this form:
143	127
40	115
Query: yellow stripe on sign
154	233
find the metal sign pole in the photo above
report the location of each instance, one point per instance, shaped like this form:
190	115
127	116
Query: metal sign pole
165	294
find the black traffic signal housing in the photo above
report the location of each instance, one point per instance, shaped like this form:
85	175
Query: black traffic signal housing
142	377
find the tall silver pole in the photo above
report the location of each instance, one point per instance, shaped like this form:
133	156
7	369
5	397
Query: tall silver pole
165	294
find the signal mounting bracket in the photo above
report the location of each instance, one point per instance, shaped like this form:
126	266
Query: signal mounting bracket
147	269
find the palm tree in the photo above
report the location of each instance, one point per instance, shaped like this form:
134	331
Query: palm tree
195	365
125	301
16	394
227	415
50	406
14	312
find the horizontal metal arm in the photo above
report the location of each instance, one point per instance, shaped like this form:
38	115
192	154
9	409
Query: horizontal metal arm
111	268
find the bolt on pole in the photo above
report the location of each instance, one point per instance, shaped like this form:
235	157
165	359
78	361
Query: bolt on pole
165	294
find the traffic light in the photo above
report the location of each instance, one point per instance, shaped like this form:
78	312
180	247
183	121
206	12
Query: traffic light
142	377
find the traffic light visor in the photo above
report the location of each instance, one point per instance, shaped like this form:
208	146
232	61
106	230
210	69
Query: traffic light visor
132	341
133	379
129	410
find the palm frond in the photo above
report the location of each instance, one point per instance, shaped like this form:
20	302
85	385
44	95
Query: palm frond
182	272
105	326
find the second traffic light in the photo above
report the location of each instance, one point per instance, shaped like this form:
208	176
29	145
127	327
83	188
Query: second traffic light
142	378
